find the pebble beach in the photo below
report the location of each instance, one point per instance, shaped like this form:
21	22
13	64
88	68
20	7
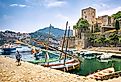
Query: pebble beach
27	72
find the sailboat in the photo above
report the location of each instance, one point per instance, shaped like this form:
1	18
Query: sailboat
65	63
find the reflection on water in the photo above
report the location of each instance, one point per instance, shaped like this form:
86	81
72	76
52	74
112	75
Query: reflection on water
87	66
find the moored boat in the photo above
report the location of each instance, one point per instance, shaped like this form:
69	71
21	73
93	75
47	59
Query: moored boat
70	64
8	49
56	63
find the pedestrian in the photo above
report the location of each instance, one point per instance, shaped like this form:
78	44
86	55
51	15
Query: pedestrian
18	58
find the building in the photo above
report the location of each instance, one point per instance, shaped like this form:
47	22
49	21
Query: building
89	14
105	21
9	36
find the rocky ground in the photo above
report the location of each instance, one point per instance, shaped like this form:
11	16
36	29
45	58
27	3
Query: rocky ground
27	72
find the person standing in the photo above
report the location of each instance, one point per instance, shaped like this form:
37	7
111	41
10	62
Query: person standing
18	58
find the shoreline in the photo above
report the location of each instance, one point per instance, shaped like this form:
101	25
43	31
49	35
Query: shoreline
105	49
27	72
9	71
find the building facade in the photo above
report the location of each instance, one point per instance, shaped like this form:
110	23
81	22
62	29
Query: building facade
89	14
105	21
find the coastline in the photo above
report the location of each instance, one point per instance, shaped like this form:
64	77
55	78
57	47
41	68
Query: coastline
27	72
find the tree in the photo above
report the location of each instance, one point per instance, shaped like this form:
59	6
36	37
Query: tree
98	41
117	15
82	24
91	39
117	26
107	41
114	39
96	28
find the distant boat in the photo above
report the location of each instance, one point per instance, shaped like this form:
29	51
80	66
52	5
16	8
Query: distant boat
8	49
105	56
87	55
104	60
23	49
1	51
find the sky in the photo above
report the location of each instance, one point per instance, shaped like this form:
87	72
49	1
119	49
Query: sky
31	15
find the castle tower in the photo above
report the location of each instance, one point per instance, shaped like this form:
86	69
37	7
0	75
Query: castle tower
89	14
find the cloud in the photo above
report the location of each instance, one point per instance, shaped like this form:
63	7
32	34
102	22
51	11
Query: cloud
109	12
12	5
18	5
72	20
100	6
54	3
60	16
34	2
47	3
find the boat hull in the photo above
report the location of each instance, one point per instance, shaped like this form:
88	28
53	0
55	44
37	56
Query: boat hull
70	64
8	51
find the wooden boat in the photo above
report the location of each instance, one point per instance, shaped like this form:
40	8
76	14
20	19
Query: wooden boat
56	63
69	64
8	49
62	63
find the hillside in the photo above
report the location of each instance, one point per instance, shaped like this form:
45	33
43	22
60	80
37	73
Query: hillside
54	32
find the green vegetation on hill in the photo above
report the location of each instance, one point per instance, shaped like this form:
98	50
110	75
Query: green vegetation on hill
113	39
117	15
55	33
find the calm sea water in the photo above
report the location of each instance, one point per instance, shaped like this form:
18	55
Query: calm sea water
87	66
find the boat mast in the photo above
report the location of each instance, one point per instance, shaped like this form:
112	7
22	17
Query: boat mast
64	39
67	38
66	45
47	55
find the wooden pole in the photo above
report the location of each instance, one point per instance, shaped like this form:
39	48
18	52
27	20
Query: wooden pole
47	55
66	46
64	39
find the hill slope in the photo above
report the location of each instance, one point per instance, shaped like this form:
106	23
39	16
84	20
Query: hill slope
54	32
